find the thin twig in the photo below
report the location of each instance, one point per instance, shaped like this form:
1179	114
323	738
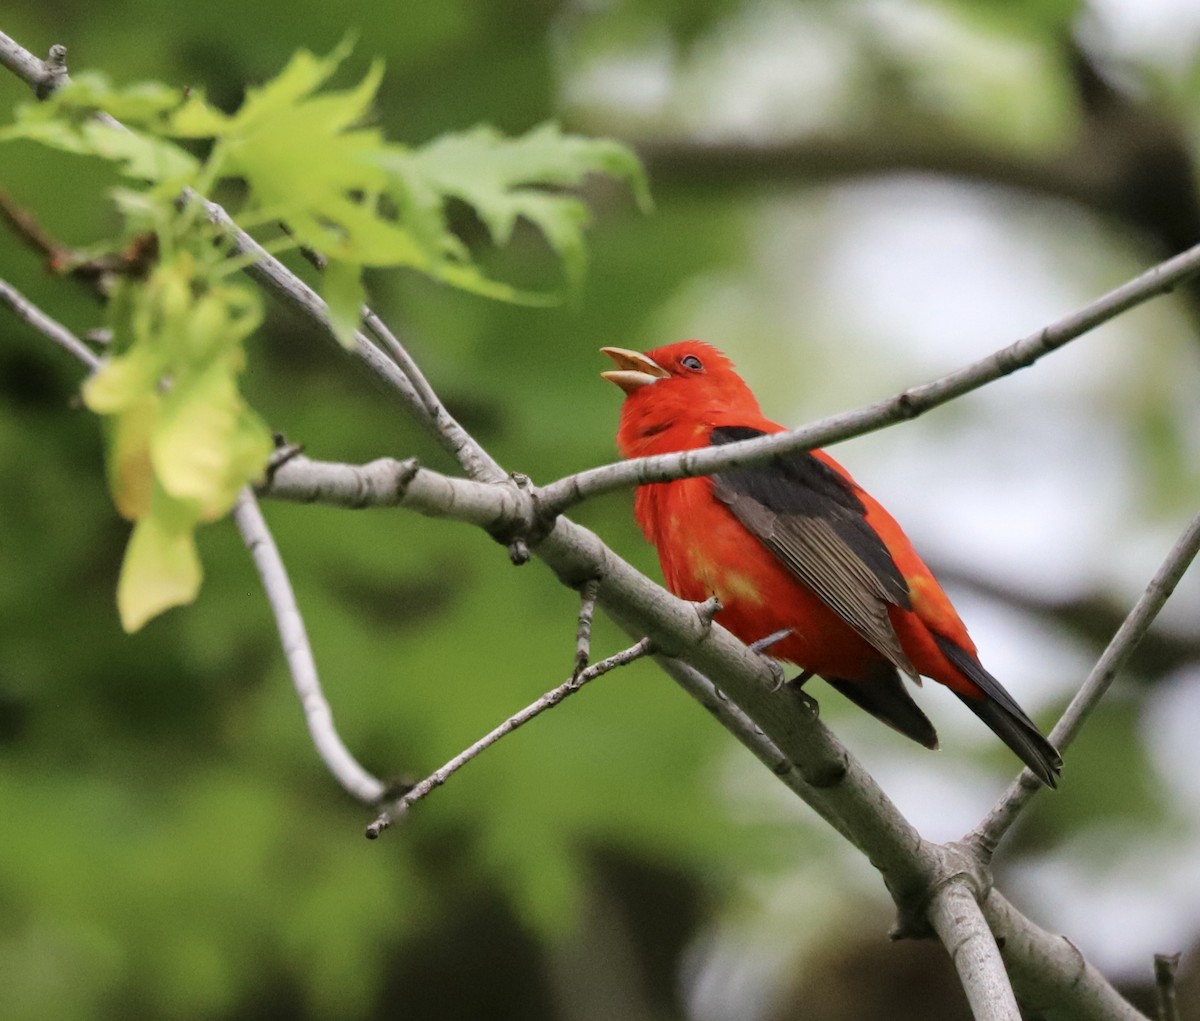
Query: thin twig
428	398
384	334
583	633
988	834
278	280
566	492
1165	966
754	740
547	701
296	649
257	537
48	327
27	228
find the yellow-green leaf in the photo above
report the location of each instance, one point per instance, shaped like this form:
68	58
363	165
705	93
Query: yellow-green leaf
161	568
206	446
123	381
130	474
197	118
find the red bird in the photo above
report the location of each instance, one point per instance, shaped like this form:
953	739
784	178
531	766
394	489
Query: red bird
795	545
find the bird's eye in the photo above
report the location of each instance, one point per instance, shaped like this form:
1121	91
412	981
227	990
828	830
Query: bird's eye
691	362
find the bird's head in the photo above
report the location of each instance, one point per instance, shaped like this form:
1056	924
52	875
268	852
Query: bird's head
675	395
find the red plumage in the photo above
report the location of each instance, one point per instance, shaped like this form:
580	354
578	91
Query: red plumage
796	544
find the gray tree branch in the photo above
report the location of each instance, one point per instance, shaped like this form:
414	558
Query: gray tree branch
988	834
774	724
50	328
1165	966
956	916
908	404
547	701
293	636
1051	977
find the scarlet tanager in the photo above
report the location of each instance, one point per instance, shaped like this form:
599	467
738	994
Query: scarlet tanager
795	545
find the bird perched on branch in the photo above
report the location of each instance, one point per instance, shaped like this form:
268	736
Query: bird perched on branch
795	545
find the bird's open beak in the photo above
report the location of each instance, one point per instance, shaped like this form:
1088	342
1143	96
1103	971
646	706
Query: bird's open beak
634	369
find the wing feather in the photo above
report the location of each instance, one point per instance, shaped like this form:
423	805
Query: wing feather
812	520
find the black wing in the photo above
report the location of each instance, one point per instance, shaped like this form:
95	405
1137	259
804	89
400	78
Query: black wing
810	518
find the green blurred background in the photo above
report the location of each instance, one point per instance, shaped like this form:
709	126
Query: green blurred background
852	197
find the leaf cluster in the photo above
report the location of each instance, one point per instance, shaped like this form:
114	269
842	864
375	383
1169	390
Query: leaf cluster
182	439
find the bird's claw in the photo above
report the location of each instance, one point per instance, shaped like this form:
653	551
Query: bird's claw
778	674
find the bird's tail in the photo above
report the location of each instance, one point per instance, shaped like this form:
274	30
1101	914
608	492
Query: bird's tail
884	696
1007	720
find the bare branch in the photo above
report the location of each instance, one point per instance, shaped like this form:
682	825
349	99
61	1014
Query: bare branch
1053	980
383	333
43	76
955	915
576	554
296	649
779	727
495	506
50	328
583	633
1165	966
547	701
278	280
1092	616
566	492
751	737
988	834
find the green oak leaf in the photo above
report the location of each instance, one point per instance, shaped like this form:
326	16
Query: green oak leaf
504	179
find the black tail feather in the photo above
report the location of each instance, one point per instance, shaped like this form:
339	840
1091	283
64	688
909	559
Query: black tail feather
1007	720
884	696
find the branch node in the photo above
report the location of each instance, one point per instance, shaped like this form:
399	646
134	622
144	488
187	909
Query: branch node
406	471
373	831
907	406
588	594
283	452
54	72
523	528
707	611
828	773
956	864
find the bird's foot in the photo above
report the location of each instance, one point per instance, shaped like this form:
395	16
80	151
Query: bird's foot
762	645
